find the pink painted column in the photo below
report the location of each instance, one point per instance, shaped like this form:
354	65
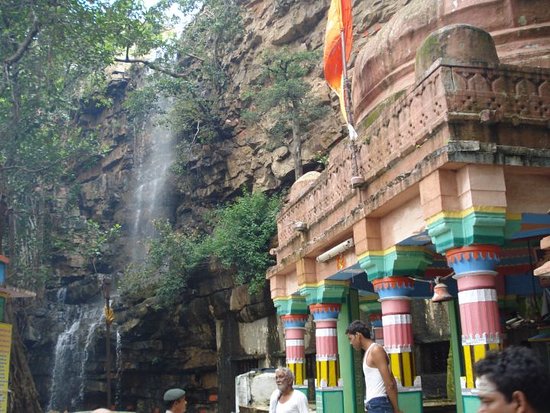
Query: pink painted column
477	298
294	339
394	295
325	317
377	328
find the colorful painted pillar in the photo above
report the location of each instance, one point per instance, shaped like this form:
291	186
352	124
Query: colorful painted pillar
293	312
471	240
325	300
477	299
294	341
465	211
394	295
390	271
325	317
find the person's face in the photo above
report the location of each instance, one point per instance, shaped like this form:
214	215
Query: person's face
493	401
282	381
355	341
180	406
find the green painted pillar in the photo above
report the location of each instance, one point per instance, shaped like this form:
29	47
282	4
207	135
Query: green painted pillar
350	361
325	301
456	353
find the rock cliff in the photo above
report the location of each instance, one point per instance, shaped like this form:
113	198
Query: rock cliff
217	330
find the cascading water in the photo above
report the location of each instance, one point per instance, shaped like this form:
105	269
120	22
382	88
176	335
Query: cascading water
71	353
150	200
118	390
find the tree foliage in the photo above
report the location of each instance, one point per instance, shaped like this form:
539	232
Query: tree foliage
240	242
171	259
242	237
53	55
194	75
282	101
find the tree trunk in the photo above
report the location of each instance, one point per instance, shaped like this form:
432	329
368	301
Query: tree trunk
297	150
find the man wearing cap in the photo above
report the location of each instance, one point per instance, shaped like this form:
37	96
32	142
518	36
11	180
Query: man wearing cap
174	401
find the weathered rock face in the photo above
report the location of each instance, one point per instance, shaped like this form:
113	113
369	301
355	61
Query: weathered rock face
218	330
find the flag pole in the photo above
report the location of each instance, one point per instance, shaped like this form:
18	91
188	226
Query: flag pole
356	179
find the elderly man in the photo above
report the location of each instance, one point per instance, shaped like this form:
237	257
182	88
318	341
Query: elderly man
514	380
285	399
174	401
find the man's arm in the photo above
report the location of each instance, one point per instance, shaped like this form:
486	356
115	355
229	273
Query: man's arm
380	360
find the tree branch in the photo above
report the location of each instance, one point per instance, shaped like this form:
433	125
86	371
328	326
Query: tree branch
23	47
156	67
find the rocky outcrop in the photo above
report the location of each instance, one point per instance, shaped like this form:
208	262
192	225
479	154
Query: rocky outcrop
217	330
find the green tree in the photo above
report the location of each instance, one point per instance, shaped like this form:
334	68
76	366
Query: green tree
240	241
242	237
282	99
54	55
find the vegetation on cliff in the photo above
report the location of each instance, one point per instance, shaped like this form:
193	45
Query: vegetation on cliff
54	56
282	101
240	242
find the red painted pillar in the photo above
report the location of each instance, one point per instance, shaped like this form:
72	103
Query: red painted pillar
477	298
294	339
325	317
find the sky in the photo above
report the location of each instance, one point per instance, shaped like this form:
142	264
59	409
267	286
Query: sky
173	11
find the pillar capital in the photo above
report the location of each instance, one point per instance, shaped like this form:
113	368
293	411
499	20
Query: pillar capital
327	291
325	311
473	259
475	225
396	261
294	320
294	304
393	287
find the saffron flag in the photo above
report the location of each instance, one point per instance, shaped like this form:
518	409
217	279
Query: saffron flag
339	23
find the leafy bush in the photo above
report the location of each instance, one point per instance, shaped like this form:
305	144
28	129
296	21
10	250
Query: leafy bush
165	272
240	241
242	236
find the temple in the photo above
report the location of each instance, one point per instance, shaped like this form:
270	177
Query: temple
454	152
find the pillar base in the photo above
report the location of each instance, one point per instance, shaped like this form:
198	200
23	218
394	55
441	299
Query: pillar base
470	402
410	401
329	400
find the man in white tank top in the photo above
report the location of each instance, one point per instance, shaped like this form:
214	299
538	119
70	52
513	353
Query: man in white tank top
380	384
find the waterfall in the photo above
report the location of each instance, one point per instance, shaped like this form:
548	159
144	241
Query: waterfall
118	390
75	349
153	156
71	353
